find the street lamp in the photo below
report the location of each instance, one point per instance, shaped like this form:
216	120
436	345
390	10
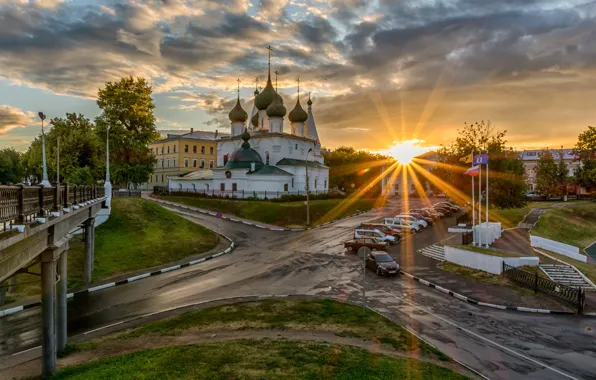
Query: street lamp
108	185
44	180
307	189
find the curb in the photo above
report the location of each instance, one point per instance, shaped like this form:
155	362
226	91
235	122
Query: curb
231	219
14	310
486	304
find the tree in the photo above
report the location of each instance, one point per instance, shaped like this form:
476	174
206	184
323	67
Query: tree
11	167
506	176
585	150
127	108
547	175
562	174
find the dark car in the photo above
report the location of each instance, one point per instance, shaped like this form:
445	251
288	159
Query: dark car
382	264
451	206
430	212
443	210
373	244
387	230
417	215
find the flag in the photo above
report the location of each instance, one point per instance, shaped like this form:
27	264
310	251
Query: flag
467	159
473	171
481	159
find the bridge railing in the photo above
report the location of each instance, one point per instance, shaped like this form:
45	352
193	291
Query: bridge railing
23	204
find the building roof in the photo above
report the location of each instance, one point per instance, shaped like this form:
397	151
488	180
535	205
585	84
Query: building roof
244	156
534	155
195	135
311	127
296	162
204	174
263	134
270	170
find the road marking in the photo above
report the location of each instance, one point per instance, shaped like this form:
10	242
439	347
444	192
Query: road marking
484	338
104	327
22	352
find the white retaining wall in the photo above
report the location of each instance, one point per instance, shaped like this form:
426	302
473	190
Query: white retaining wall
558	247
487	263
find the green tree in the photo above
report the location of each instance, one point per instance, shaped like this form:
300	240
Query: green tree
127	108
585	150
11	167
562	174
507	187
32	161
547	175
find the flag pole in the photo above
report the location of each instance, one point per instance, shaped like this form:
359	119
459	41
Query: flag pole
486	188
480	192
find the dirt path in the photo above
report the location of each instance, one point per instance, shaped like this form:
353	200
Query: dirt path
110	347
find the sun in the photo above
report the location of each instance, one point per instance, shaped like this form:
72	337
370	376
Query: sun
405	151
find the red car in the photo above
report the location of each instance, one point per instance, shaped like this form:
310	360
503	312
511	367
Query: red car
387	230
373	244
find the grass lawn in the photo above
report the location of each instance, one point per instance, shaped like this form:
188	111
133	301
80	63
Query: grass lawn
257	359
574	225
492	252
283	214
589	270
139	234
488	278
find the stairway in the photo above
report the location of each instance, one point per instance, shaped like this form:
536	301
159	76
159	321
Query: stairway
565	275
434	251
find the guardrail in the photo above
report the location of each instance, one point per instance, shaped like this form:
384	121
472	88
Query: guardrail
574	296
22	204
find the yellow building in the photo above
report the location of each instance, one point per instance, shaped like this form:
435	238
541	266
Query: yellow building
180	154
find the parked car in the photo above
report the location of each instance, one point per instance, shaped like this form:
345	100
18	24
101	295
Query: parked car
387	230
402	225
412	220
382	264
426	213
430	221
371	243
361	233
433	212
443	210
447	205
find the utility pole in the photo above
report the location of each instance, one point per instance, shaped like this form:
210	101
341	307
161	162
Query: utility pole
44	180
58	162
108	184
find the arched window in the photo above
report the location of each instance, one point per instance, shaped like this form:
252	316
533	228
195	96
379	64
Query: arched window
266	158
292	182
286	187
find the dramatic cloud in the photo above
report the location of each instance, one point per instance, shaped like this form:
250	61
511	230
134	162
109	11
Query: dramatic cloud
397	68
11	118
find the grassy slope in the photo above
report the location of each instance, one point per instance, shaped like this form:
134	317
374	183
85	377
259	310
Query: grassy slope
139	234
257	359
575	225
277	213
268	359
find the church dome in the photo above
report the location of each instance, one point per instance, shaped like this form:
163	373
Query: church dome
309	101
256	92
298	114
266	97
255	120
238	114
276	108
244	156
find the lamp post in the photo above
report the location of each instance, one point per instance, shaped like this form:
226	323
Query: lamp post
108	185
307	189
44	180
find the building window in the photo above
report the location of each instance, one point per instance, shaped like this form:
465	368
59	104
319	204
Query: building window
234	187
186	162
194	149
185	148
285	187
167	162
413	186
211	163
207	186
211	150
162	178
168	149
296	147
222	186
396	186
292	182
266	158
325	184
226	157
194	163
202	164
162	150
174	148
315	183
203	150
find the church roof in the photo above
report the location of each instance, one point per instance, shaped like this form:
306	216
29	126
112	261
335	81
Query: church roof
298	114
267	96
295	162
270	170
238	114
311	127
244	156
276	108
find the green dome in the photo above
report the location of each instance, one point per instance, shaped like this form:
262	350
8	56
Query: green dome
266	97
276	108
255	120
298	115
238	114
309	101
244	156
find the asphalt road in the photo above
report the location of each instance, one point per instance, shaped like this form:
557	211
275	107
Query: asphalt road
498	344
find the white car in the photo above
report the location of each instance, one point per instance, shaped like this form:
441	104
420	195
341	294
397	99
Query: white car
359	234
402	225
412	220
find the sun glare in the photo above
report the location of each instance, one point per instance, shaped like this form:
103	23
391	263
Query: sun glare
405	151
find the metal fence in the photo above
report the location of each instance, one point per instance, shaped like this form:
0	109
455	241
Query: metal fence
242	194
574	296
22	204
126	193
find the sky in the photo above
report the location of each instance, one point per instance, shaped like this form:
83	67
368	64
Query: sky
378	71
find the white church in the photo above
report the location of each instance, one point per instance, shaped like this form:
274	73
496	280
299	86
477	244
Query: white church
264	159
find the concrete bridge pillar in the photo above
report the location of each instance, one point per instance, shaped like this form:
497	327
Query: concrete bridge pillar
12	284
48	301
89	226
61	310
